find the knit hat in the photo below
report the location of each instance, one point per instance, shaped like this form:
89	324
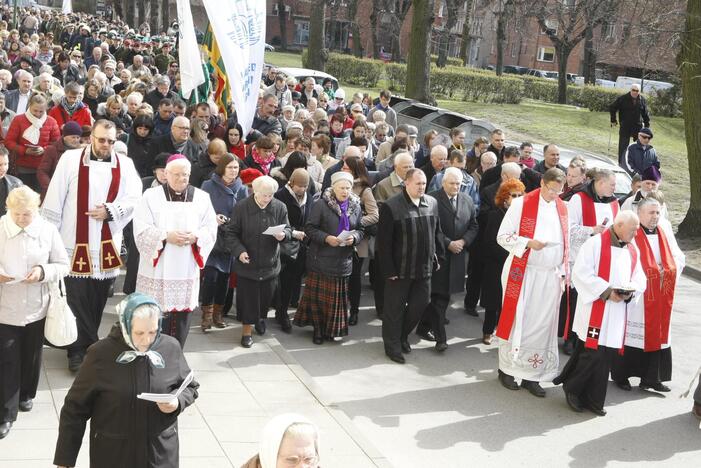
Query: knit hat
652	173
339	176
160	161
249	175
646	131
72	128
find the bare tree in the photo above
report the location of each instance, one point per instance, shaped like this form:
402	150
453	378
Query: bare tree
282	20
377	8
450	19
418	83
355	30
398	9
466	43
504	9
317	51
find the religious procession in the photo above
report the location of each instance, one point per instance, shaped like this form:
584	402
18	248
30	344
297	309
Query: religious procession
133	166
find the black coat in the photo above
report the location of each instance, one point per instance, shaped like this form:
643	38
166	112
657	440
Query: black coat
494	256
323	221
201	170
631	114
124	431
529	177
297	216
455	224
248	221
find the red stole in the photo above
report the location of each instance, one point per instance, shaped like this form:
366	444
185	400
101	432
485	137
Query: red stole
529	217
81	264
589	212
597	309
659	295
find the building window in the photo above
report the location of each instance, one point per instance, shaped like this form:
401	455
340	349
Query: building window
569	3
301	32
550	27
514	49
608	30
546	54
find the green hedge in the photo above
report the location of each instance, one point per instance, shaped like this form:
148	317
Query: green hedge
356	71
452	61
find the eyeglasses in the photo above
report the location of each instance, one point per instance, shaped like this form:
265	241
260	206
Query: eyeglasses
644	137
634	90
102	141
295	460
181	128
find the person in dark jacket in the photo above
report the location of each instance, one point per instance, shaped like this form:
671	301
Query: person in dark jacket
641	155
70	139
225	189
65	71
333	229
529	177
262	157
265	121
294	194
495	256
296	160
551	158
458	220
207	163
139	144
257	255
633	114
576	178
125	430
407	261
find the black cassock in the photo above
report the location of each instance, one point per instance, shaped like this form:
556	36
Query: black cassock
124	431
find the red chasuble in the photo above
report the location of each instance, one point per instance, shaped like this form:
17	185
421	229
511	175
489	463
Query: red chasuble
589	212
659	295
81	264
529	218
597	309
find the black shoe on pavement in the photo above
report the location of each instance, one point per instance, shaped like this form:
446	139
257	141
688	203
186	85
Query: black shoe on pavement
534	388
573	402
441	347
74	362
5	429
568	347
657	386
353	319
284	322
406	347
426	335
261	327
398	358
447	321
26	405
624	385
317	338
508	381
247	341
471	311
595	410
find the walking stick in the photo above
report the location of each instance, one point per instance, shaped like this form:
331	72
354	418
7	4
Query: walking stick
608	151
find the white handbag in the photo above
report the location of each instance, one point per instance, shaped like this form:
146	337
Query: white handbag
60	328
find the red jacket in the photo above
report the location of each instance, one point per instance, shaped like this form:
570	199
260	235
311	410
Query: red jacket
49	160
18	145
82	116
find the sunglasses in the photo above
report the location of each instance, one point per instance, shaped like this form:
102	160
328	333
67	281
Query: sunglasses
102	141
644	137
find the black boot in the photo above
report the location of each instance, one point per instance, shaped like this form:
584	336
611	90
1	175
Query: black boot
353	318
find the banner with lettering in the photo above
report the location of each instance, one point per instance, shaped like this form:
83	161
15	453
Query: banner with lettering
191	74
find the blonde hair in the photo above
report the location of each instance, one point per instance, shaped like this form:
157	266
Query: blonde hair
23	198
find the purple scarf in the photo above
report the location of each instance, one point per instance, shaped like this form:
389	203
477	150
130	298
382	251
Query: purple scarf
343	219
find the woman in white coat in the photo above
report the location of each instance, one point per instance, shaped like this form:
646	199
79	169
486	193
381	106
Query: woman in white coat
31	256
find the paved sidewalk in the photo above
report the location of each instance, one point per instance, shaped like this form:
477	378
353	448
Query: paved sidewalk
240	390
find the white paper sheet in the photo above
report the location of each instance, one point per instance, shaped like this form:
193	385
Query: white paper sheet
167	397
345	235
272	230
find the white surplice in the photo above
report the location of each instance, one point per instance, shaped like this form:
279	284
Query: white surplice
635	329
174	281
60	205
590	286
579	233
531	352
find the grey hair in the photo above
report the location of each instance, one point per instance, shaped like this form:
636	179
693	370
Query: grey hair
488	155
265	184
511	169
626	216
162	79
147	311
453	172
648	201
135	97
301	429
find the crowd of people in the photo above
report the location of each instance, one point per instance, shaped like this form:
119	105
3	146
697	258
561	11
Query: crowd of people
103	164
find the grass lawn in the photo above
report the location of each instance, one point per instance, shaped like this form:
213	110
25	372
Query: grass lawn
569	126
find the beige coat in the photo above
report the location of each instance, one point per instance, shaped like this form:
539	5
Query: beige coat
371	215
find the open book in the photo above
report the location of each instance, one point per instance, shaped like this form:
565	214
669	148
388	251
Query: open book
167	397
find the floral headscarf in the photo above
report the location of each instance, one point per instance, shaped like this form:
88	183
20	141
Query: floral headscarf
126	310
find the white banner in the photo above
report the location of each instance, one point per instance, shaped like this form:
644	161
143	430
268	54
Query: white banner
191	74
67	6
239	27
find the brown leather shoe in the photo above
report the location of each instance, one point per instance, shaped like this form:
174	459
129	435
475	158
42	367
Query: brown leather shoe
487	339
217	319
206	317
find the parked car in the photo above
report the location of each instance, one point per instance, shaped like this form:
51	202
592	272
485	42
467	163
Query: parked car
515	70
301	73
605	83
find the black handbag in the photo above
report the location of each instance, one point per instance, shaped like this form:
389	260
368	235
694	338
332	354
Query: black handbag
289	248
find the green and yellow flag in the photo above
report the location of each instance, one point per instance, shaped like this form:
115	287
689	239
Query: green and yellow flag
222	94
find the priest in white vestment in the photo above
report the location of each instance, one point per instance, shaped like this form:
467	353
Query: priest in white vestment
175	228
90	199
528	322
648	352
608	276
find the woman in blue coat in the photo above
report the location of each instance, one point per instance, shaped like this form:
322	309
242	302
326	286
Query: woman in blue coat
225	189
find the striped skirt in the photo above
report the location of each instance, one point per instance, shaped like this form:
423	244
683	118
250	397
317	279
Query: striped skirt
324	304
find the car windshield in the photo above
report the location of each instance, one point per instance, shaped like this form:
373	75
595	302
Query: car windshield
552	74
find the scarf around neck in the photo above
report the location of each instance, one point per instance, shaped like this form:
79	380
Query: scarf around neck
70	109
126	310
264	163
33	132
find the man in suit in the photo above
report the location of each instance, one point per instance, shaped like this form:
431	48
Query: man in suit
17	100
7	182
529	177
458	219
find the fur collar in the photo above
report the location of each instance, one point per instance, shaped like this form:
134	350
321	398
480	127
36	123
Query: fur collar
330	200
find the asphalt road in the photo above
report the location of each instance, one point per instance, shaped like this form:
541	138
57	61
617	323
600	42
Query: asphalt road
450	411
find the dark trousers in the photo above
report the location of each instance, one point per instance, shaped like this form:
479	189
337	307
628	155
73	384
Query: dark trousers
87	298
586	374
132	265
177	325
355	283
20	366
404	303
473	284
378	288
30	180
253	298
290	283
215	285
434	316
626	136
563	312
491	318
652	366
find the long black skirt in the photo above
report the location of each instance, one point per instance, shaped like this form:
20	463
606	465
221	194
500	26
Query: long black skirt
651	367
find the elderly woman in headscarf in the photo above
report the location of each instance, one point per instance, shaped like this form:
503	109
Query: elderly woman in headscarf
333	229
125	430
287	440
257	255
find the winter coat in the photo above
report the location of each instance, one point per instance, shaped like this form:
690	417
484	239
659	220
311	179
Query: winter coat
124	430
82	115
641	157
46	168
323	222
122	121
494	256
202	170
631	113
15	142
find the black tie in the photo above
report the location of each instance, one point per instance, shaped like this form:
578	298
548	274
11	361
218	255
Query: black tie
454	203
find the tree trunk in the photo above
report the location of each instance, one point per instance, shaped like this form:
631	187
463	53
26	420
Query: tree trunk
142	15
466	45
131	14
589	63
690	64
333	27
165	12
395	49
451	19
282	18
563	53
355	30
147	13
374	17
156	15
501	39
317	51
418	83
